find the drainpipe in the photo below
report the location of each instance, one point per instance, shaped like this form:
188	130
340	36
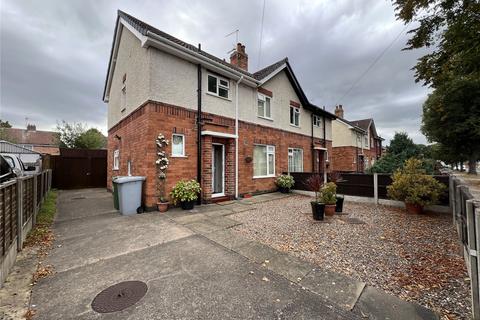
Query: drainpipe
199	126
313	145
236	136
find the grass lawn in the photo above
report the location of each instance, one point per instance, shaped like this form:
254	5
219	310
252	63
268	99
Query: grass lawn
41	232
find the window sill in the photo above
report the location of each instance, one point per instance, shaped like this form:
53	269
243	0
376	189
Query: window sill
173	156
263	177
115	169
295	126
217	96
265	118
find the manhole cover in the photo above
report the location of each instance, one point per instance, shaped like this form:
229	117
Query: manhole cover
119	296
353	221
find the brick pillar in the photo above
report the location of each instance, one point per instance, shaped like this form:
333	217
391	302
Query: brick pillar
207	168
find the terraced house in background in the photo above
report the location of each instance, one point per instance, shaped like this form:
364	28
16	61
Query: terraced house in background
356	144
231	129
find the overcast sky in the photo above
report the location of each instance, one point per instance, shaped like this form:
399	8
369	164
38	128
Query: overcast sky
54	54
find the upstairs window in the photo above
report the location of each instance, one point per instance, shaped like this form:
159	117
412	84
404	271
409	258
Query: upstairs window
218	86
295	160
317	121
264	110
123	98
294	116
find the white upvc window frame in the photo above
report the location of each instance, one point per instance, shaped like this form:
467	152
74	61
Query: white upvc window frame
182	155
116	159
291	152
270	151
262	97
296	112
317	121
219	86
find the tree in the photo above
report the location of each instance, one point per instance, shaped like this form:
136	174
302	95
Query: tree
451	116
5	124
400	149
91	139
451	27
75	135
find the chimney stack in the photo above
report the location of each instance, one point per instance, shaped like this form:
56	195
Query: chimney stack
339	111
239	58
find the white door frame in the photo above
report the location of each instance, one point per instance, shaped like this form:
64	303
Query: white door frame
221	194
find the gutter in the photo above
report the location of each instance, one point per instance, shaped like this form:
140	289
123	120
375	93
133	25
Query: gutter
236	136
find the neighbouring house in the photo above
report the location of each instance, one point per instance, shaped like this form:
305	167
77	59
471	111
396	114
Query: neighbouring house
356	144
40	141
28	156
231	129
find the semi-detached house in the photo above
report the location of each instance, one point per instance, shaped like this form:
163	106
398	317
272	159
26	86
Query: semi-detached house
230	129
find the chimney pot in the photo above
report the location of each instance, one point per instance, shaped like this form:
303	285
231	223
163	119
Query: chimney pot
239	58
339	111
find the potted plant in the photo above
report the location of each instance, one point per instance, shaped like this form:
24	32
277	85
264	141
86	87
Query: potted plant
336	177
327	196
411	185
314	183
162	166
186	192
284	183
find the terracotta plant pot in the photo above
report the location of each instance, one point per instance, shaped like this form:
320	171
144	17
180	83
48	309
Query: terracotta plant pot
413	208
330	209
162	206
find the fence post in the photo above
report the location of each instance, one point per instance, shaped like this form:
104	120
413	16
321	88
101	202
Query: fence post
473	256
375	187
476	312
451	195
35	191
20	214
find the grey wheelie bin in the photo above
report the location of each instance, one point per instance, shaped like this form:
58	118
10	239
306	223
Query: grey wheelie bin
130	194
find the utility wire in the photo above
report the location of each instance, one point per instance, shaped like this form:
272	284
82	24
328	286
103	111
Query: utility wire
261	36
373	63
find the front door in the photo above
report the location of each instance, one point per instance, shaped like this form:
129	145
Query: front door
218	170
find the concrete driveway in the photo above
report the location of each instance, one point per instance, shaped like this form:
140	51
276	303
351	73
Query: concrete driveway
194	267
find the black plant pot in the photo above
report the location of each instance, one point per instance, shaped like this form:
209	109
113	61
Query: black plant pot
187	205
339	204
318	210
284	189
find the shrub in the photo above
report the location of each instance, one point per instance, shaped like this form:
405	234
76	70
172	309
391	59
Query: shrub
285	181
315	183
185	190
328	193
412	185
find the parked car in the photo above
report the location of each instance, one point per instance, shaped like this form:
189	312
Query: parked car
6	171
17	165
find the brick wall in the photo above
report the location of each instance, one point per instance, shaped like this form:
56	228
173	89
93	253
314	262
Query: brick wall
137	133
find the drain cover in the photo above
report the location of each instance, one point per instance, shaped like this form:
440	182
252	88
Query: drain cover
353	221
119	296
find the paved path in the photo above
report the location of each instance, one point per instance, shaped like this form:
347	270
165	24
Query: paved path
195	268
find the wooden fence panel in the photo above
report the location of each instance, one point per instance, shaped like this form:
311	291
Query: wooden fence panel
8	206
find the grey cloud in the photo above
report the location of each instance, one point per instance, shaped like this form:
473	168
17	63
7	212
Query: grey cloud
54	54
